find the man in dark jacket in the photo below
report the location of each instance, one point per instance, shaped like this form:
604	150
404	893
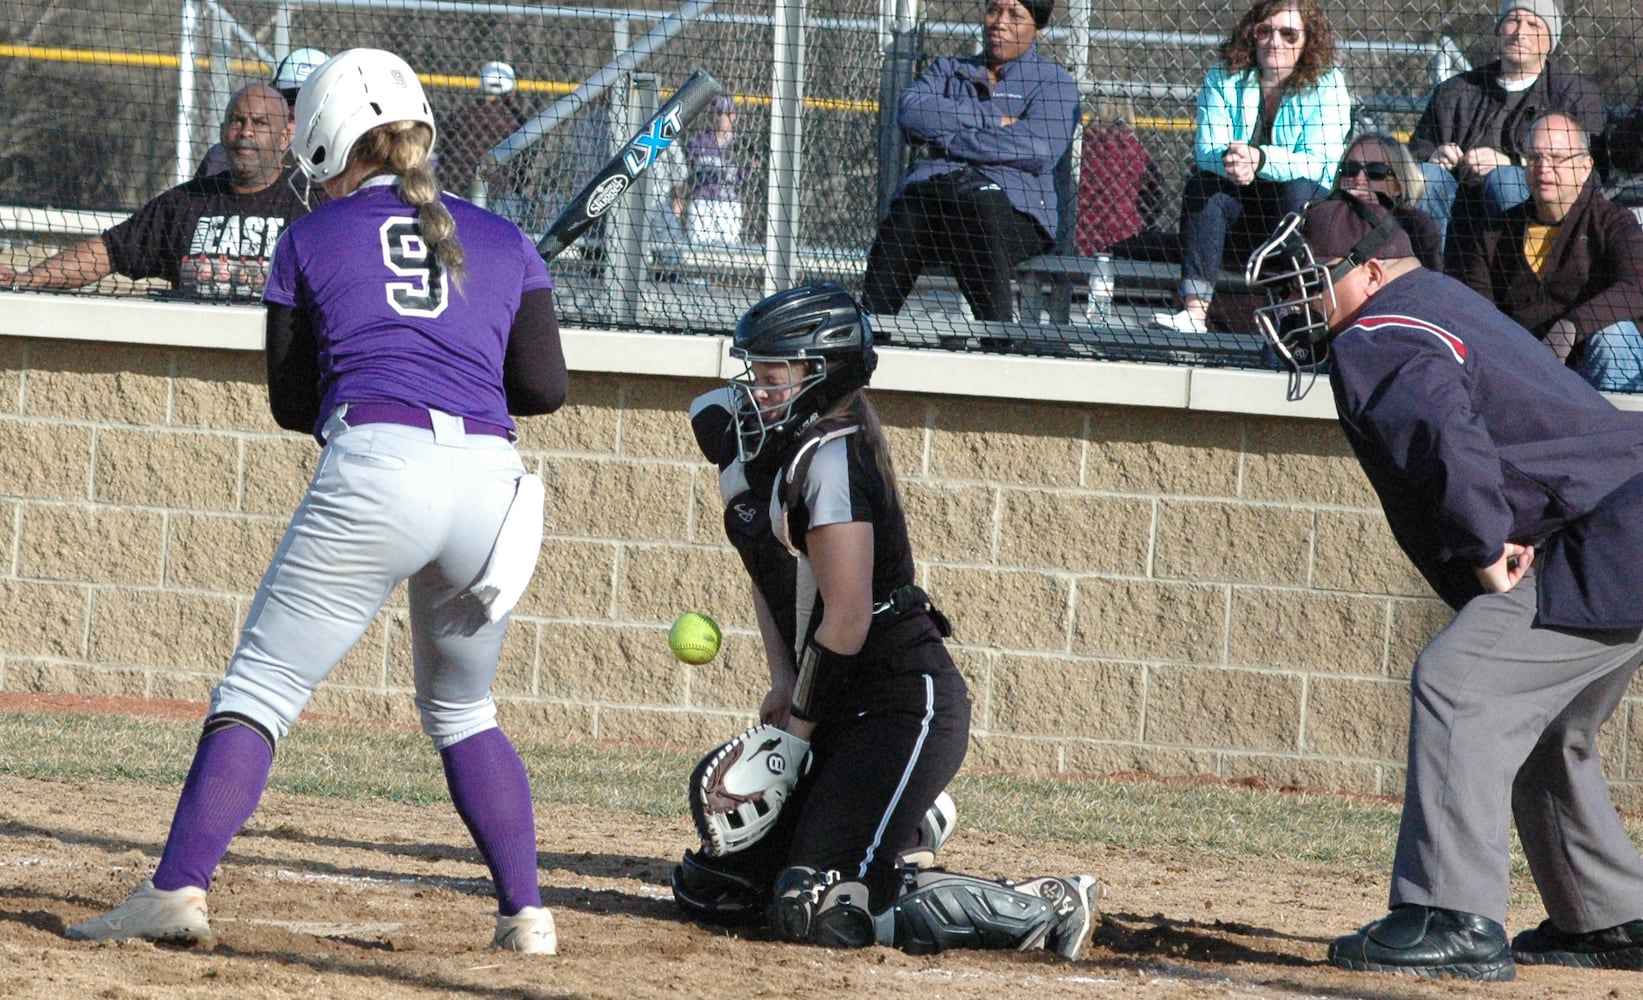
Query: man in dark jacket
1568	263
1471	139
1516	490
212	237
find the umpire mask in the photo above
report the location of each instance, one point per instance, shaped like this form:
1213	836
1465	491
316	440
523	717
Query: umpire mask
1291	269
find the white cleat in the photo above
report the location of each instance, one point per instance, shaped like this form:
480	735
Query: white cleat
1074	900
175	916
530	932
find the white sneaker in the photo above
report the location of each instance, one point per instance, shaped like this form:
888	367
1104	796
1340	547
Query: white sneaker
1180	322
173	915
530	931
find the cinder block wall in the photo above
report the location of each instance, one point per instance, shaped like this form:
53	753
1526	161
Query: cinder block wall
1133	589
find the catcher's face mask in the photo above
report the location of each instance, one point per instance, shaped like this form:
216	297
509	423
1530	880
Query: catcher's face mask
772	394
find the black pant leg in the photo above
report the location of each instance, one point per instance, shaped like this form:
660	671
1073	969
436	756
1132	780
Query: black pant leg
876	774
985	239
899	252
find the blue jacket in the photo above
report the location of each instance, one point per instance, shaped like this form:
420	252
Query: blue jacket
1473	435
956	108
1308	135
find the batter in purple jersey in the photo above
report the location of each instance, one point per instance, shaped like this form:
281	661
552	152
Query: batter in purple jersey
404	326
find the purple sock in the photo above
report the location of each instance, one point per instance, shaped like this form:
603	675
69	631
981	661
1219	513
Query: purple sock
224	785
493	796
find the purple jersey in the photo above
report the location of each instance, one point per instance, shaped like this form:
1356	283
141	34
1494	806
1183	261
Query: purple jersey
390	325
714	176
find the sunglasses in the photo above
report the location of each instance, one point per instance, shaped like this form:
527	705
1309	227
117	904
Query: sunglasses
1291	36
1374	171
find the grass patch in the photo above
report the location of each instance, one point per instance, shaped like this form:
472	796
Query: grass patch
351	761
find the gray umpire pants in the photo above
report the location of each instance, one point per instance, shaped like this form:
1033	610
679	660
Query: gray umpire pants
1503	724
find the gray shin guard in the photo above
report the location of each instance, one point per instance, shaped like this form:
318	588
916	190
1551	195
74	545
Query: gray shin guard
941	910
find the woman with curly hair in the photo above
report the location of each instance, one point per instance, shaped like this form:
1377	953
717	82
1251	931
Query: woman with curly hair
1273	116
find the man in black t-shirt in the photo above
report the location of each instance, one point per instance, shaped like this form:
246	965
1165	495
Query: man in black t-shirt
211	237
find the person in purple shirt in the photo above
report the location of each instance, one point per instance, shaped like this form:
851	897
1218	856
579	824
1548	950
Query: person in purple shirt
1516	490
716	178
403	327
984	199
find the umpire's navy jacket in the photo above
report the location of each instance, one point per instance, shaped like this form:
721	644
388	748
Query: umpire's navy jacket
1473	434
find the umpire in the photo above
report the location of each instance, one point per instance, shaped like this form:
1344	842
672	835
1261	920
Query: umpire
1517	491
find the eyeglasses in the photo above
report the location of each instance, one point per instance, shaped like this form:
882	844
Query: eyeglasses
1290	36
1374	171
1546	159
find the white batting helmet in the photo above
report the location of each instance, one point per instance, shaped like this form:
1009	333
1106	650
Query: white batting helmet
350	94
295	68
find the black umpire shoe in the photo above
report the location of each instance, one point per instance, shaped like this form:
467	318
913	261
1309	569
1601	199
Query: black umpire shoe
1619	947
1428	941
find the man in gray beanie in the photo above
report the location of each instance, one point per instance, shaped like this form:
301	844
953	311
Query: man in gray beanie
1473	136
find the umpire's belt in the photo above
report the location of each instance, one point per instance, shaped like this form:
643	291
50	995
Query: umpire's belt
413	416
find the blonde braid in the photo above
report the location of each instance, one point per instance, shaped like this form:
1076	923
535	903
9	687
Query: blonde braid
402	149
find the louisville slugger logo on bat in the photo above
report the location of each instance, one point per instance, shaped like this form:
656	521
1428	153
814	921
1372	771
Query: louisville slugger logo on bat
605	195
606	188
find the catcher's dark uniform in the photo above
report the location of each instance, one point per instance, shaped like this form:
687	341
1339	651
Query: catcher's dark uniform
886	749
882	755
746	492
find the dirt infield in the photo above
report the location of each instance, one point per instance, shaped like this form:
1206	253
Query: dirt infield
372	901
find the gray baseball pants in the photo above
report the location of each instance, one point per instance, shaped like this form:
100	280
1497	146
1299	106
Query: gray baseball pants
387	503
1503	725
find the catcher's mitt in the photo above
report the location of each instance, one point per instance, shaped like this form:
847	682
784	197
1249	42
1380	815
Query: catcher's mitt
737	790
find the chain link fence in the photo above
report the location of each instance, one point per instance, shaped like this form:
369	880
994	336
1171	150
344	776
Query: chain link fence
785	180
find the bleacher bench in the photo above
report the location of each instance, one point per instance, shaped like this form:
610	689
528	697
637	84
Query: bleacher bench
1063	270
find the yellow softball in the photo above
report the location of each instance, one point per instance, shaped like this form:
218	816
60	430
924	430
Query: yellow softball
694	637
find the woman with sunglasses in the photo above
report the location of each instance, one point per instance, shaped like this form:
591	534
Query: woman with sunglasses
1272	121
1377	167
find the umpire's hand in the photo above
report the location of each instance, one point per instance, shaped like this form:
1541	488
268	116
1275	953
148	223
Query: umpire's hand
1506	571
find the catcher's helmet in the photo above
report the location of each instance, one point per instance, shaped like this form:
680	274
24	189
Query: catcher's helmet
1300	285
350	94
823	332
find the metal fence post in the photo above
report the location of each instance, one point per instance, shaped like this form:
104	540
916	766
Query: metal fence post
185	91
899	43
786	147
625	245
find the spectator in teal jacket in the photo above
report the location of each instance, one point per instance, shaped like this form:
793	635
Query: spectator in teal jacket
1273	116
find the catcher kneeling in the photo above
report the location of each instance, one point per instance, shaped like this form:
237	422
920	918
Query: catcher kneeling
825	819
